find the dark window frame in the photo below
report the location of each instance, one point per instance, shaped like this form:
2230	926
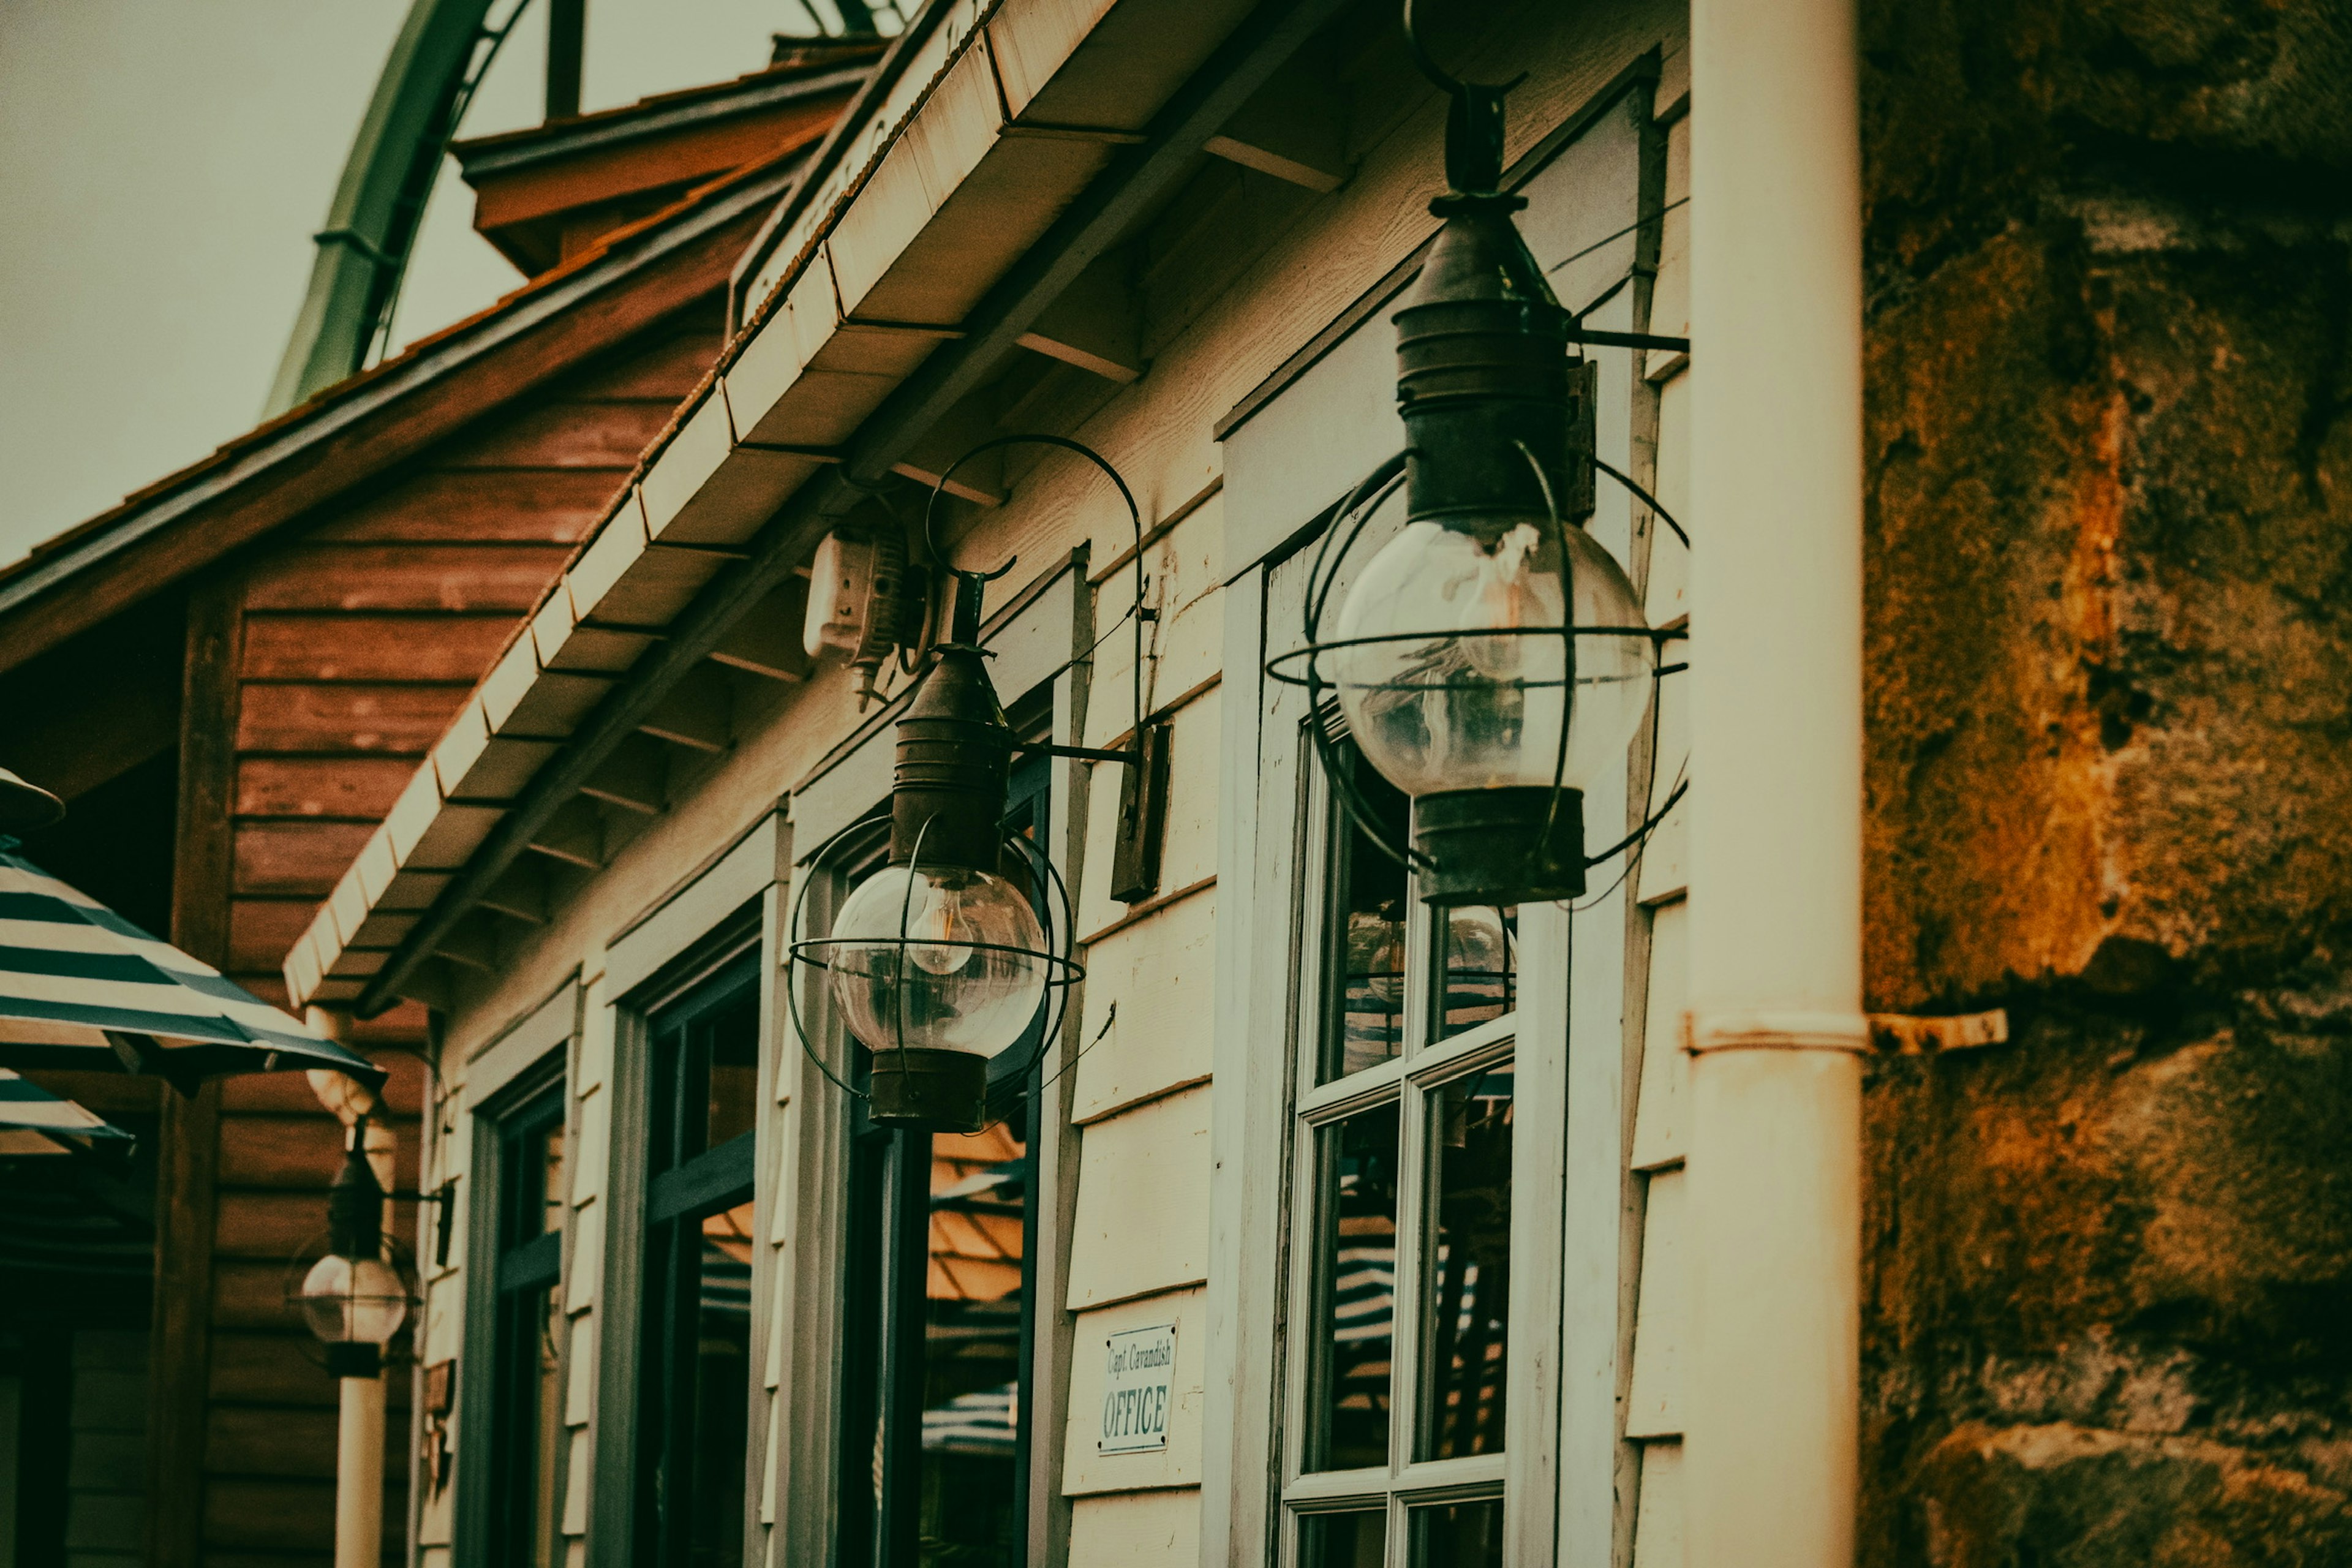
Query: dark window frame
492	1386
684	1183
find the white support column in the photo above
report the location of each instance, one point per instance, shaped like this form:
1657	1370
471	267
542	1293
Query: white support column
359	1473
1776	818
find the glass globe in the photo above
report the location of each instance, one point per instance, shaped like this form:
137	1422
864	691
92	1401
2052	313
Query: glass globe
940	993
1456	710
353	1301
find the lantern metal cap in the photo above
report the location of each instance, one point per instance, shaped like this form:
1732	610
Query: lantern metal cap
355	1203
955	758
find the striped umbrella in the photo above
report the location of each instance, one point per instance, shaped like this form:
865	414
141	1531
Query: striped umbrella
34	1121
83	987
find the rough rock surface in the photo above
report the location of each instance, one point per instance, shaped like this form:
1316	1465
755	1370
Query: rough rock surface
2109	1319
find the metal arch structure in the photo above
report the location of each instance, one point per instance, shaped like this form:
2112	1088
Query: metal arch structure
380	198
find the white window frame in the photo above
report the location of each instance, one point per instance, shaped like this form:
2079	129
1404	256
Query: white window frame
1296	799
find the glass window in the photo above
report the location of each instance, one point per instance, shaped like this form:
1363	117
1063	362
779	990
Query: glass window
1459	1535
1466	1267
526	1407
1478	966
695	1384
1365	944
1402	1232
1357	1274
1357	1538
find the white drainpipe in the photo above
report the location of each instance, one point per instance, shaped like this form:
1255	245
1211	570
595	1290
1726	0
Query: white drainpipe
1775	1024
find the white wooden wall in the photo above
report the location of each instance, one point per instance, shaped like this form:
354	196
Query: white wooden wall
1140	1251
1653	1406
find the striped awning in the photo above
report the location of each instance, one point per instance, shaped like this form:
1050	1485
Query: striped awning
83	987
34	1121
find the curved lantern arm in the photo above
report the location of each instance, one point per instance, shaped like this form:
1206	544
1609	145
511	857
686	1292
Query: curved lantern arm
1134	521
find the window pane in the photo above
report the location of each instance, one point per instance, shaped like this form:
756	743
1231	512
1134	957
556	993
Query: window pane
1347	1413
546	1467
1478	969
721	1388
554	1184
1344	1540
1368	908
1467	1287
971	1511
731	1041
1459	1535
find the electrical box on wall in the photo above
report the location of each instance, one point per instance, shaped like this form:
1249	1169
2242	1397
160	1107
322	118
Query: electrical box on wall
863	599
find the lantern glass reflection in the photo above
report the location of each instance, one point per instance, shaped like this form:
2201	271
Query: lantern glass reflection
353	1301
923	959
1454	709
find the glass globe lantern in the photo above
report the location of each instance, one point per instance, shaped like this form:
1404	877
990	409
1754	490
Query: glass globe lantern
938	963
1461	688
1493	660
353	1301
938	959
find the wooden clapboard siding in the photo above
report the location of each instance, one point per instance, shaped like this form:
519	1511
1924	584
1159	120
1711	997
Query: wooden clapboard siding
359	635
308	719
1137	1529
453	579
360	787
444	647
523	506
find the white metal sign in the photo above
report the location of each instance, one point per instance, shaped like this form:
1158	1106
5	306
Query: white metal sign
1134	1390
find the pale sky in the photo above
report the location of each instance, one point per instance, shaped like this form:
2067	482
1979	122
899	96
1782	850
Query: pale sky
167	163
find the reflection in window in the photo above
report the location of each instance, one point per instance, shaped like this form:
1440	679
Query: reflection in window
527	1413
971	1349
1355	1539
1478	969
1459	1535
1370	905
695	1385
1467	1290
1356	1291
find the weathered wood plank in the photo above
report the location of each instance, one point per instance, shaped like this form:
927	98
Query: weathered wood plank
261	930
275	1227
566	435
278	1443
269	1515
1142	1220
252	1367
294	1153
665	369
372	647
362	788
453	578
1137	1529
300	857
399	721
289	1092
524	506
250	1294
185	1222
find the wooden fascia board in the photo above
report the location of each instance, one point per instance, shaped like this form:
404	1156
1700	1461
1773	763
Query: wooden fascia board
602	174
315	459
1136	178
